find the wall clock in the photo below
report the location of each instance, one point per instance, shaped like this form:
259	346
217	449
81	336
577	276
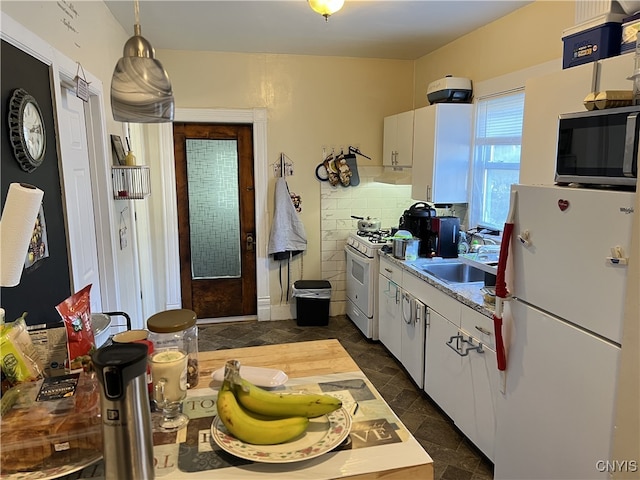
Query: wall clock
26	130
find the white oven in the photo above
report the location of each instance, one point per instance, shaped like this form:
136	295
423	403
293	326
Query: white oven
362	282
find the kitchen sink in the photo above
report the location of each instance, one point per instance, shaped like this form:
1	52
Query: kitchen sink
454	272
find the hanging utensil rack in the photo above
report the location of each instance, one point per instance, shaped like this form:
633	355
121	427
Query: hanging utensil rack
283	167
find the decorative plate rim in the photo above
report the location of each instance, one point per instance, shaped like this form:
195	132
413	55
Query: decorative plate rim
338	428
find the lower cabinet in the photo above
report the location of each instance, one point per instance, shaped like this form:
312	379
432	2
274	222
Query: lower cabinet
442	369
390	315
461	377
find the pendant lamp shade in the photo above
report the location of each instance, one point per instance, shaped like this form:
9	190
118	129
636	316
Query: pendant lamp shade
326	8
140	88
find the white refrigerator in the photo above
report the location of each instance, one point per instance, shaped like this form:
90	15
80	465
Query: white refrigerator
563	329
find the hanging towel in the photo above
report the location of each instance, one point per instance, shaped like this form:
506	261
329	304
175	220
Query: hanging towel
288	236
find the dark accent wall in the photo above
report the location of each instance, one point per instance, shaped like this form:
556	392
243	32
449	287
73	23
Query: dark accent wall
48	282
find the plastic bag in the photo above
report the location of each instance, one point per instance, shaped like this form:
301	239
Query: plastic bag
20	360
76	313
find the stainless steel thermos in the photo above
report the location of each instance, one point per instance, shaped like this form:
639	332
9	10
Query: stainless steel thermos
126	416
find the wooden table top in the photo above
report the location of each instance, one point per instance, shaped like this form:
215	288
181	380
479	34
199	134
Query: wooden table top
298	360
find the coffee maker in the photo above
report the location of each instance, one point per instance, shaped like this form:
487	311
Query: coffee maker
418	220
446	231
438	235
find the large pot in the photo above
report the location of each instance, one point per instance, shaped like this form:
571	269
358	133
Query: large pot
367	224
406	248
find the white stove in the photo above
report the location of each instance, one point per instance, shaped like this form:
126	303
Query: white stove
368	242
362	279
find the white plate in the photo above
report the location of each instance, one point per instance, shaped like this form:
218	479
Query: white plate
263	377
323	435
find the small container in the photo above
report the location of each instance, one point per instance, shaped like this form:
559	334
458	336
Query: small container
177	328
593	40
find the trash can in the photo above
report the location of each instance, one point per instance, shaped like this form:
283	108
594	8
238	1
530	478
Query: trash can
312	302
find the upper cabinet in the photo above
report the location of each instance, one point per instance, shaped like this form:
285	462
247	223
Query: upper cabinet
545	98
441	152
398	140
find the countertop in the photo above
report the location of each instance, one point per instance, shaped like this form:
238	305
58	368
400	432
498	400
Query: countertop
467	293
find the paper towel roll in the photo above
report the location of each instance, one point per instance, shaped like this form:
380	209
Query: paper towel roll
16	227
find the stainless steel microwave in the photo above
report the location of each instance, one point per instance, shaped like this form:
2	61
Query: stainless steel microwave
599	147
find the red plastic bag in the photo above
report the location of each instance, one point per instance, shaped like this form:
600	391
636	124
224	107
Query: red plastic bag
76	313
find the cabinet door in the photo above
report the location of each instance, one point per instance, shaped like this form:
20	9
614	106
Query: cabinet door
389	297
404	143
615	73
389	140
397	147
476	416
546	97
413	337
443	366
441	153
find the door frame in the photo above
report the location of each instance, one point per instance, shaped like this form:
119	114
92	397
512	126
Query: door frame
257	117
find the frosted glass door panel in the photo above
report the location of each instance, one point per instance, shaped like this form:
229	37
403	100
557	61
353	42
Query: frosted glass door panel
214	223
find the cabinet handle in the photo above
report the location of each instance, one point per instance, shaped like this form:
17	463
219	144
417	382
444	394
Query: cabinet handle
457	339
484	331
388	270
427	317
428	193
458	349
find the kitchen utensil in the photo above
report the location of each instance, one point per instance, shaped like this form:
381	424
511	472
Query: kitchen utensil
368	224
126	417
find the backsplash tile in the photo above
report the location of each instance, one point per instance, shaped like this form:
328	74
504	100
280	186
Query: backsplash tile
338	204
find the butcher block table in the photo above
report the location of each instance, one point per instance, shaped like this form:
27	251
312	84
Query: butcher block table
377	447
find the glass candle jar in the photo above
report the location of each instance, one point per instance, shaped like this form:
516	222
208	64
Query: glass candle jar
177	328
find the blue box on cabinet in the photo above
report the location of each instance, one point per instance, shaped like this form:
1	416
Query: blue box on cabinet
592	44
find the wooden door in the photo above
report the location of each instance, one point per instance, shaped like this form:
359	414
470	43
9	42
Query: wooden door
216	218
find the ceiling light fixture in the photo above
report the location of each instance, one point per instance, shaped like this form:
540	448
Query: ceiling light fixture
326	8
140	88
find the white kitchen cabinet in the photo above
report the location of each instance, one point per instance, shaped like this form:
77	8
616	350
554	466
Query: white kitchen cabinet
389	314
412	336
479	384
441	152
615	72
443	366
462	380
546	97
397	146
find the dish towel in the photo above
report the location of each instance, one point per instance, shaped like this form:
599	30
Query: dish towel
288	236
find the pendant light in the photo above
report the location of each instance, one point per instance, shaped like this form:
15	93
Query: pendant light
140	88
326	7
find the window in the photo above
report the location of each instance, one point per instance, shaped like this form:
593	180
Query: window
496	157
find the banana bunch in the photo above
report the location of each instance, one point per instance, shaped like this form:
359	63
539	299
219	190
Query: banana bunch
261	417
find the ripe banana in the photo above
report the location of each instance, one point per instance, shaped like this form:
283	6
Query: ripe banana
246	427
276	404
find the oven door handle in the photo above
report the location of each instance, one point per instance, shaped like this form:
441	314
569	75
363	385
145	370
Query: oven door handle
357	254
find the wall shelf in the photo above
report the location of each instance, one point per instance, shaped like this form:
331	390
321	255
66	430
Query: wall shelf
131	182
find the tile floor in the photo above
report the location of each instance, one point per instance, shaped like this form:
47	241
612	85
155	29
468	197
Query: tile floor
454	457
